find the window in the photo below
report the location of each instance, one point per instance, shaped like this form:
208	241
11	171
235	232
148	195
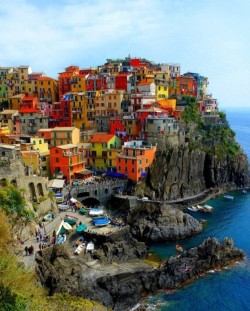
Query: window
57	160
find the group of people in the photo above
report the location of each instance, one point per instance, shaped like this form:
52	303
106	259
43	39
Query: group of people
29	250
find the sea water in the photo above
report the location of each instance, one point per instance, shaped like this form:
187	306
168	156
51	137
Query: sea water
229	289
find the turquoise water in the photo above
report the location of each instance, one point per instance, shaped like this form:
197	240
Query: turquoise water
227	290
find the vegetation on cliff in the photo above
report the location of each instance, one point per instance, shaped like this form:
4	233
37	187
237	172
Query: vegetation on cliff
217	139
12	201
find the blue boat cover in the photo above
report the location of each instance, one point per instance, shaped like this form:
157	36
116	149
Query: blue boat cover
101	221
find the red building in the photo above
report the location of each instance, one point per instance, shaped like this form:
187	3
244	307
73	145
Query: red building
96	82
116	127
60	114
64	80
121	81
136	62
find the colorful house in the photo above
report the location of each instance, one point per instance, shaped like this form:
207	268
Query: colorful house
135	159
65	161
39	144
3	83
208	105
142	115
7	119
47	89
168	105
64	136
60	114
64	79
31	119
104	151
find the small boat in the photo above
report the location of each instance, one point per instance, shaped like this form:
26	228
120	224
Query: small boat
200	208
96	212
79	249
229	197
63	207
179	248
208	208
61	239
244	191
66	226
82	211
81	228
70	221
101	222
90	247
193	208
48	217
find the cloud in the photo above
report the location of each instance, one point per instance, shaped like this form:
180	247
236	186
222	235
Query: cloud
209	37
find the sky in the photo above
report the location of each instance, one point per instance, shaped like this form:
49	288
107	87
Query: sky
211	37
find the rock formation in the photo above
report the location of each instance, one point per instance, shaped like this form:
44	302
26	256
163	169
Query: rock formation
151	222
179	172
121	286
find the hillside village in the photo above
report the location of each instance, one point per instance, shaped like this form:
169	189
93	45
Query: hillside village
105	120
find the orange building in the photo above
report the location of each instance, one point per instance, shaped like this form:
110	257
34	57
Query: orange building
135	159
66	160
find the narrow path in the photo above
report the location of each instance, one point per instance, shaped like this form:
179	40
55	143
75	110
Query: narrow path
29	261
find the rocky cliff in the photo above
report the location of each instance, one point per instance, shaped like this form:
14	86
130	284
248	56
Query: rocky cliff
180	172
121	286
151	222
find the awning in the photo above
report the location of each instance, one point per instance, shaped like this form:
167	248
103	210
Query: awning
56	183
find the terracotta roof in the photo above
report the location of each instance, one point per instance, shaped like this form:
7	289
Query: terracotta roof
29	110
144	83
101	138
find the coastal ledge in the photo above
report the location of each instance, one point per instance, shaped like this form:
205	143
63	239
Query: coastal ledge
123	289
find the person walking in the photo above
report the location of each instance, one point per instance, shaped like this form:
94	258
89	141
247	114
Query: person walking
26	250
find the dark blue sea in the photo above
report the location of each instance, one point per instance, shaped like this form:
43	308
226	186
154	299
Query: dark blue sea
227	290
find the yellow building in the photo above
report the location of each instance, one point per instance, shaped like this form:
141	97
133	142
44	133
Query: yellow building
104	150
31	159
78	82
78	106
7	117
47	89
64	136
161	85
109	103
15	100
90	105
4	83
39	144
16	80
